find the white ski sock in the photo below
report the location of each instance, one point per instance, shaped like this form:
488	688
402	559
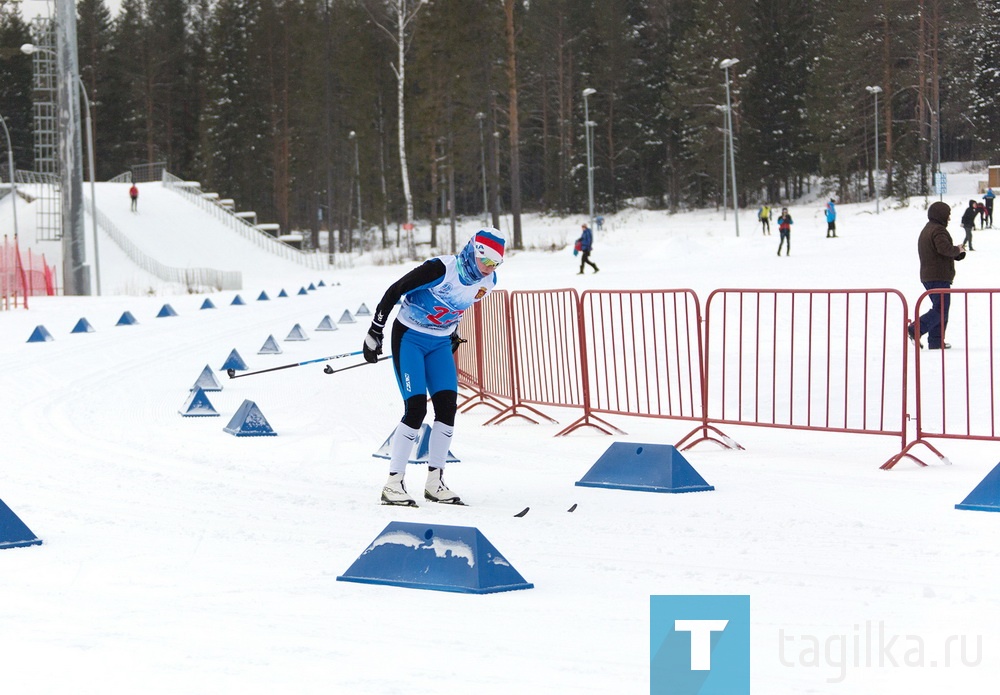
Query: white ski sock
437	448
402	445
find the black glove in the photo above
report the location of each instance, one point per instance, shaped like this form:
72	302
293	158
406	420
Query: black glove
456	340
373	343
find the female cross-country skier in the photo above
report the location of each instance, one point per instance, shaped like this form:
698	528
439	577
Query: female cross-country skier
424	338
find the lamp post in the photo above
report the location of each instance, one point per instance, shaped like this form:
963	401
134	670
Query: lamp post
878	195
590	165
28	49
725	159
482	163
357	175
10	164
725	65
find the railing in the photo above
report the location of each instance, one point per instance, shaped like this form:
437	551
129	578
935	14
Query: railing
314	260
189	277
20	279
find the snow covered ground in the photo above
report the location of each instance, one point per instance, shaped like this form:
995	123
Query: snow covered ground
178	558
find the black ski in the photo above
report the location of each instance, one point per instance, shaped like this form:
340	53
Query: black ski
524	511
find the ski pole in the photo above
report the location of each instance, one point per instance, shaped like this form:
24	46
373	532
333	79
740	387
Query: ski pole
330	370
233	375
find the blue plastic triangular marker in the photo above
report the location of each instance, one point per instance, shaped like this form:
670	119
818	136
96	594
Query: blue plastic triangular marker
207	304
297	333
198	405
346	317
644	467
206	381
249	422
326	324
167	310
238	300
234	361
127	319
270	347
40	335
363	311
262	297
282	293
13	532
82	326
986	496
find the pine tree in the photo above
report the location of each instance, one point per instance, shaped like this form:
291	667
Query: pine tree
986	107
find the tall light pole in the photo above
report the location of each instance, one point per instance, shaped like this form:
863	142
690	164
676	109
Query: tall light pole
725	65
482	163
590	164
725	160
878	194
28	49
357	175
13	176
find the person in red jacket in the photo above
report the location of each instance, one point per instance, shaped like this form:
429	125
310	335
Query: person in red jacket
785	231
133	193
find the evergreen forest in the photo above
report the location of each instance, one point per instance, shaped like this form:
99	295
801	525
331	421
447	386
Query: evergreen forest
318	113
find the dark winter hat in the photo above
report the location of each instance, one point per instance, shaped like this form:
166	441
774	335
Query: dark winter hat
972	203
939	212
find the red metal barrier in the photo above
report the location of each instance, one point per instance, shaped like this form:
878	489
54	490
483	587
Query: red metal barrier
944	380
19	279
485	363
642	355
830	360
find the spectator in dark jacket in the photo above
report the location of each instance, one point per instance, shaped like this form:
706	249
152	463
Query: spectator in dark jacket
586	244
785	231
969	223
938	254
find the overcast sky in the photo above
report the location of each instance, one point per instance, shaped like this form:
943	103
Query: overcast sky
32	8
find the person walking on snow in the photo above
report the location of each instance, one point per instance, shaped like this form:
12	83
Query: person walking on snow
785	231
424	338
988	197
938	254
831	220
586	244
133	193
764	215
969	223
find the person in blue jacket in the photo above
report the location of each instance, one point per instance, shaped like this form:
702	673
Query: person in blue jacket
988	199
424	339
831	220
585	244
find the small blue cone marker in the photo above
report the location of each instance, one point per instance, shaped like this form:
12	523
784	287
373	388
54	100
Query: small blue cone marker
297	333
302	290
127	319
234	361
237	301
282	293
13	532
311	287
262	297
198	405
270	347
82	326
40	335
249	422
363	311
206	381
167	310
346	317
326	324
207	304
321	284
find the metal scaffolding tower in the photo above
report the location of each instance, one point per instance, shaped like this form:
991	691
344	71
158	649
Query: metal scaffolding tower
46	127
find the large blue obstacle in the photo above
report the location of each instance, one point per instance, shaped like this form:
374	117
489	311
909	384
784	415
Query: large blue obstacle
13	532
644	467
420	451
985	497
436	557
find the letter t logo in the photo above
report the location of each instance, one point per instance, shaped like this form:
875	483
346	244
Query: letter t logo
701	640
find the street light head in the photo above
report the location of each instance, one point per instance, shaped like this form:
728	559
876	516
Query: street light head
27	48
588	91
351	135
480	116
873	90
728	63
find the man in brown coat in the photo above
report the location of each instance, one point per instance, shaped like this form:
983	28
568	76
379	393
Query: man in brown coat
938	254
